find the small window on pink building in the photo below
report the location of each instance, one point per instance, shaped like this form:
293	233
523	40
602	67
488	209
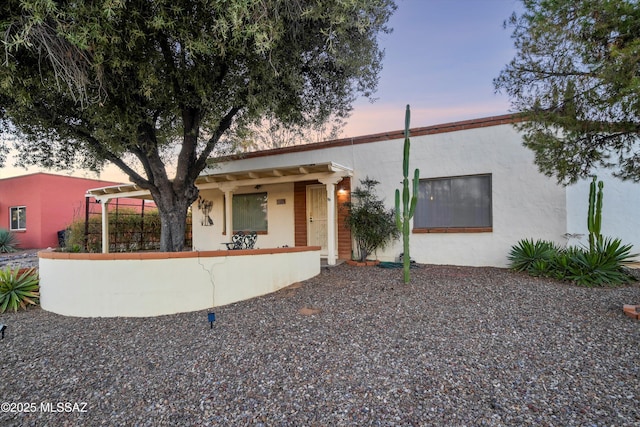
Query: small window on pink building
18	217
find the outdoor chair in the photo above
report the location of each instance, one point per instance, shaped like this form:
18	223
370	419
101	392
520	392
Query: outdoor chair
240	240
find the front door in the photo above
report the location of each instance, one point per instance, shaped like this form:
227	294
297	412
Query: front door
317	217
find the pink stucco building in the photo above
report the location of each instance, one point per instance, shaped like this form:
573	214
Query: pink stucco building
36	206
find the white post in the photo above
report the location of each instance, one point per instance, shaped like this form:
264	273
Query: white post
105	226
228	203
228	209
330	182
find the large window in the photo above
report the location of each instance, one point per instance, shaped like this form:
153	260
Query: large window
18	217
461	203
250	212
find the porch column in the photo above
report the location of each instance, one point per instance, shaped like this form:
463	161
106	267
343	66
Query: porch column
228	208
104	204
330	182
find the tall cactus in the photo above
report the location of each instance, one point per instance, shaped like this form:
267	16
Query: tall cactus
408	201
594	216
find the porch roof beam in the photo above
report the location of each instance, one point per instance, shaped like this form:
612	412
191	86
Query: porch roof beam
106	196
274	175
272	180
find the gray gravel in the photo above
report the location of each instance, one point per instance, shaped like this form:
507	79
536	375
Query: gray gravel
20	259
460	346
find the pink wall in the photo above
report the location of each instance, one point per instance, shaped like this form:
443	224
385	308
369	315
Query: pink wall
52	202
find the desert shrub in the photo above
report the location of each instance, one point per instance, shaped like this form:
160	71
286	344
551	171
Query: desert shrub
8	241
534	257
371	223
602	265
128	231
18	287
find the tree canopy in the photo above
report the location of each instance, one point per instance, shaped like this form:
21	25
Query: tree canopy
576	78
141	83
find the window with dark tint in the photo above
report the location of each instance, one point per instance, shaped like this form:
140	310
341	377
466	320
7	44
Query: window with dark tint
454	202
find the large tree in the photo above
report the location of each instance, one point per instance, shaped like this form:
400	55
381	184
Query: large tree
146	83
576	77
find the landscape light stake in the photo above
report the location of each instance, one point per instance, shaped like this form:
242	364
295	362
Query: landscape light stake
2	328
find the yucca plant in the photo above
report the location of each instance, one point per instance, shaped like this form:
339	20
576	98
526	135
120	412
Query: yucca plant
534	257
18	288
8	241
601	266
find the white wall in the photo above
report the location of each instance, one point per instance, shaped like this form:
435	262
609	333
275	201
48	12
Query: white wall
279	218
207	238
620	207
526	204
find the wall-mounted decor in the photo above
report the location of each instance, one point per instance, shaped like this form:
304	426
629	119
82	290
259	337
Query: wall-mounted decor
205	207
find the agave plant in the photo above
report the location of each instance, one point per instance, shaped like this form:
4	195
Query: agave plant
18	287
602	265
534	257
8	241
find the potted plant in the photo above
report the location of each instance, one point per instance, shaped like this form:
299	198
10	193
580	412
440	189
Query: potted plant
372	225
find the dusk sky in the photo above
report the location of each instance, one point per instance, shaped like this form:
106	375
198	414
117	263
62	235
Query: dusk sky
440	58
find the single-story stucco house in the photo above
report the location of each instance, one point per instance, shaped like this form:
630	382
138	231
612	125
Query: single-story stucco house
480	193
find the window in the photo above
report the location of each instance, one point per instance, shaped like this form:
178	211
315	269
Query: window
460	203
250	212
18	216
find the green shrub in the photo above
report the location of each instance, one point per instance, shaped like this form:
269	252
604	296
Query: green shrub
370	222
128	231
18	287
8	241
533	257
604	265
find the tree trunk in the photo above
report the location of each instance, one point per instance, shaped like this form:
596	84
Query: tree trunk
173	206
173	197
172	226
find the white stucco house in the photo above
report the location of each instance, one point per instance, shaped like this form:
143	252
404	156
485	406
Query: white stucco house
480	193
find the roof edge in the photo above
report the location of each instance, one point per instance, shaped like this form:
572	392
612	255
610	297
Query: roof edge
384	136
56	175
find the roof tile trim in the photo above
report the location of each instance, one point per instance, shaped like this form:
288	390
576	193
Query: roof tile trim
385	136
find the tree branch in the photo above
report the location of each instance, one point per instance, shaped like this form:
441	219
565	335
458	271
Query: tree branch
223	126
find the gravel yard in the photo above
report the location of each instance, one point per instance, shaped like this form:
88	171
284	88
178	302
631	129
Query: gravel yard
460	346
23	258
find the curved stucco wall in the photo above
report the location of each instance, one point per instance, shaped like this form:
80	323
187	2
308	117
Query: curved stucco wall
153	284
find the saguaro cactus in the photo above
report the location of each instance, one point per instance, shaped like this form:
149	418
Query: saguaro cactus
594	216
409	201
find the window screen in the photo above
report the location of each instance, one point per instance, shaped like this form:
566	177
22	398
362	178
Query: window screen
250	212
454	202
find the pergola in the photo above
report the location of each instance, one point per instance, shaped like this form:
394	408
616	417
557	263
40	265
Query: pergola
327	173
